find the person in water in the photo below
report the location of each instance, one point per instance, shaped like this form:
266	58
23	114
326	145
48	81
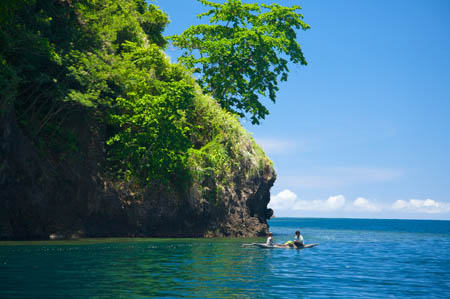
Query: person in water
269	239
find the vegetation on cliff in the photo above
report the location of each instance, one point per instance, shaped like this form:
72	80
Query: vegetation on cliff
89	97
105	58
243	53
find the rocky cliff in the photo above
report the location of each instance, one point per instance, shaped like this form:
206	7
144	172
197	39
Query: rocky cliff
101	135
74	197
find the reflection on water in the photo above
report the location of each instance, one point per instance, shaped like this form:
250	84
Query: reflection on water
349	263
192	268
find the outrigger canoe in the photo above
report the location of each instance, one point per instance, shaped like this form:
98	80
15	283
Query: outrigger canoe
264	245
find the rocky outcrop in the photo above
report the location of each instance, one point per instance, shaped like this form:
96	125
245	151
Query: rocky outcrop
82	85
44	196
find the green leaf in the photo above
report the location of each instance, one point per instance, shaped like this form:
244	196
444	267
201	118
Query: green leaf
240	53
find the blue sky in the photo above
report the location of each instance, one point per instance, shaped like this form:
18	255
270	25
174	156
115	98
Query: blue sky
363	130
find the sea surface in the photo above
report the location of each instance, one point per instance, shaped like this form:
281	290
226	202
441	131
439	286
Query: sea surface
356	258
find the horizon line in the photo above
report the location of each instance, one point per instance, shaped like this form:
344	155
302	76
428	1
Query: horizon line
309	217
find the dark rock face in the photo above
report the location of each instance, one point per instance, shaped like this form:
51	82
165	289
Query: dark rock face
39	196
42	198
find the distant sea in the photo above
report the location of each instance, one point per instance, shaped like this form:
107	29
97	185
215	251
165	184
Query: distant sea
356	258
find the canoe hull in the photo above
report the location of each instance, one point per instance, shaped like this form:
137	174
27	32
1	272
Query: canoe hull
264	245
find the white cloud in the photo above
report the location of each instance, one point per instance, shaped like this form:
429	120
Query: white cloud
334	202
364	205
428	206
285	200
288	200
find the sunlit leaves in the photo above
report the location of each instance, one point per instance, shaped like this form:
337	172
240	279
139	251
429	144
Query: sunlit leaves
243	53
152	131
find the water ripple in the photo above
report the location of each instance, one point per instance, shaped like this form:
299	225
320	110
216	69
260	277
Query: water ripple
349	263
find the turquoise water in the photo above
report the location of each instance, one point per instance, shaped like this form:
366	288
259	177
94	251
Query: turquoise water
356	258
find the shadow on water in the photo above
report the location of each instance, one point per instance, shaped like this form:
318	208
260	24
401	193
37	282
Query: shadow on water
131	268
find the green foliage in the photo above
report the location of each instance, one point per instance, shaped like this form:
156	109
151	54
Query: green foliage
114	22
223	150
35	36
152	136
143	97
243	52
101	62
8	84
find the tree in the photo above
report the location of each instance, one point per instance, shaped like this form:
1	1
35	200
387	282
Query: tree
243	53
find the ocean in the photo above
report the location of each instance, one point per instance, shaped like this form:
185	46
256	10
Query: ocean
356	258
